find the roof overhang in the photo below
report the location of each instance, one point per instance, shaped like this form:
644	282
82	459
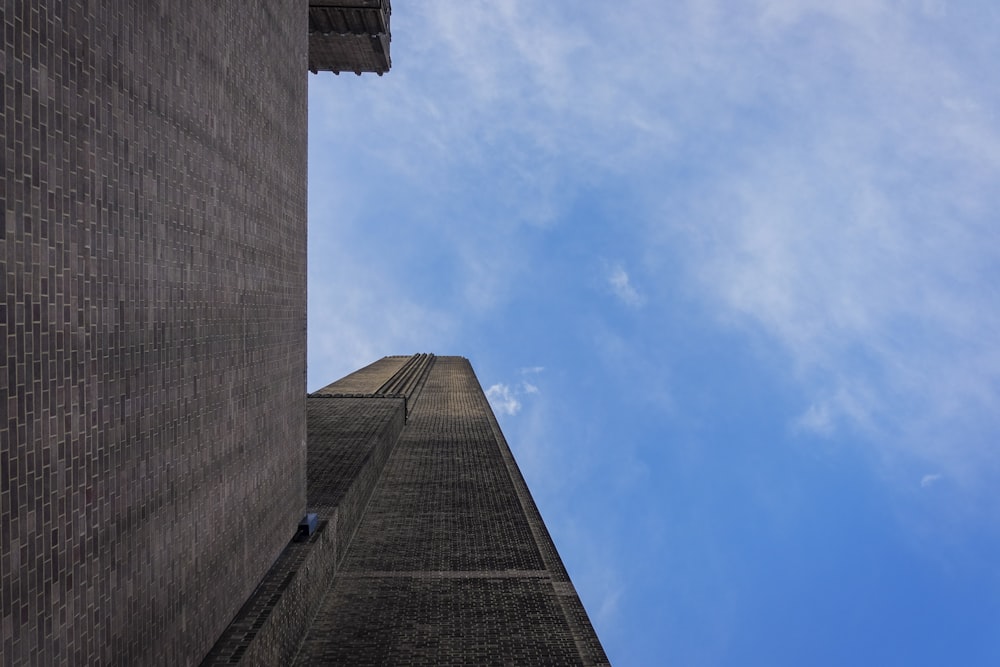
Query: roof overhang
349	36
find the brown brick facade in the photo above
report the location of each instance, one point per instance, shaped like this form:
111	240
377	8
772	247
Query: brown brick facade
450	563
430	549
152	457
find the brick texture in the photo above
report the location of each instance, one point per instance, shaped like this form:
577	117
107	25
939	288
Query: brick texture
350	440
152	325
269	627
366	380
349	36
451	564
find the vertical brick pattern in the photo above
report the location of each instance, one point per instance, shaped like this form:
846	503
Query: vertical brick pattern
269	627
152	459
433	620
350	440
451	564
366	380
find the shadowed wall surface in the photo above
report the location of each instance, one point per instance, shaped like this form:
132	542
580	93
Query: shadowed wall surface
153	325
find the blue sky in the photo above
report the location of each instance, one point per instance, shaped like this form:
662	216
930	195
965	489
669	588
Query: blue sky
730	274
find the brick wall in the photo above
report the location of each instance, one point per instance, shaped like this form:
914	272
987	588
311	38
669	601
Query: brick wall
152	455
350	440
451	563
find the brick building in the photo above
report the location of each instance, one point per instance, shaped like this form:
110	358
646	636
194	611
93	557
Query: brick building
154	424
430	550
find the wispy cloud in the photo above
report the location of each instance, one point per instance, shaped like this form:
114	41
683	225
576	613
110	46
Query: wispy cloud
824	173
928	480
507	399
622	287
503	399
351	325
858	233
816	419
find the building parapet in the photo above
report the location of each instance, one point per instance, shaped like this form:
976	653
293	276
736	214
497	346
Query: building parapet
349	36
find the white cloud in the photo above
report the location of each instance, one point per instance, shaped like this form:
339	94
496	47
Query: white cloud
855	227
622	287
355	314
608	611
816	419
928	480
352	325
824	174
503	399
507	399
864	289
